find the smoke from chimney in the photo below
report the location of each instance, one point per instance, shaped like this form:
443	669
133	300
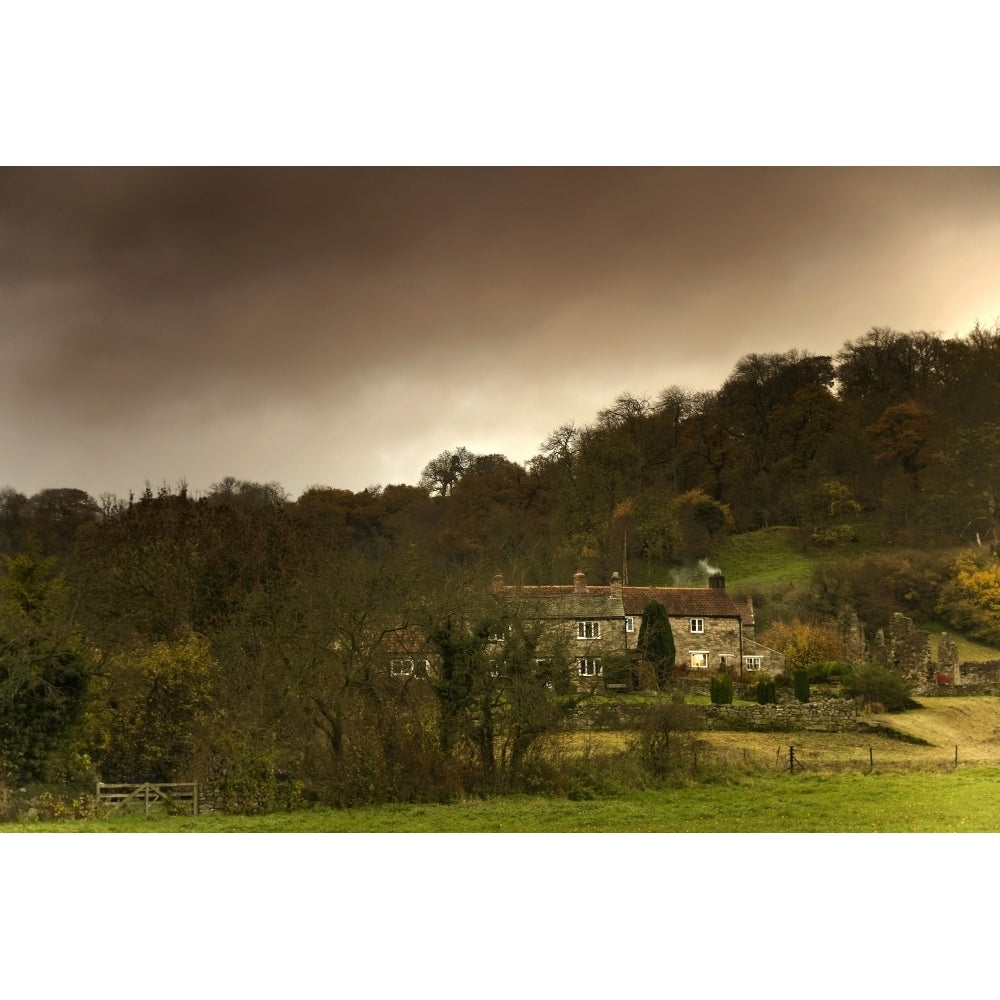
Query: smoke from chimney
708	568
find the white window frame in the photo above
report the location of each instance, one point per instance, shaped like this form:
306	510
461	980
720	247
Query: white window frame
697	626
406	666
589	666
699	653
588	625
629	623
753	662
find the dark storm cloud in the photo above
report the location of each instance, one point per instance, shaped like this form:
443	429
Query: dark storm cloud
345	325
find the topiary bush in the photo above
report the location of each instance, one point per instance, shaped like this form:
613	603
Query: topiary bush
767	693
721	690
800	684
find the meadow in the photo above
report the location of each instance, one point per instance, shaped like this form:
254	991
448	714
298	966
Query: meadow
934	769
962	800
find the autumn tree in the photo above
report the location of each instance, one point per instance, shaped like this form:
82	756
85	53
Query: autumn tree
43	665
149	714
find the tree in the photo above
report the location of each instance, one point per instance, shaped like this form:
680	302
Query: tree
150	711
804	644
441	473
43	665
656	641
970	599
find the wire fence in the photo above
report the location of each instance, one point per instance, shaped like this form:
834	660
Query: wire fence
794	753
804	756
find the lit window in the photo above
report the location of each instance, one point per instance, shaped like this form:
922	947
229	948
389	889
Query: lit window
588	630
699	660
629	624
589	666
698	625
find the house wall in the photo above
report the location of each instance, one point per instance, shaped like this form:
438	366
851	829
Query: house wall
721	638
613	643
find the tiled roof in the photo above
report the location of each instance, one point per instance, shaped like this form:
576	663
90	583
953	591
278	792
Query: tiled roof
597	602
698	602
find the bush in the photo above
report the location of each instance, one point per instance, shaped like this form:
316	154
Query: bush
664	739
875	684
767	694
721	691
800	684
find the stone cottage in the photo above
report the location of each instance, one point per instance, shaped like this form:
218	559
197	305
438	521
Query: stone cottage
711	631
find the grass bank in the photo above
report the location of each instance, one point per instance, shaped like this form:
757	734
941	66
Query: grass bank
964	800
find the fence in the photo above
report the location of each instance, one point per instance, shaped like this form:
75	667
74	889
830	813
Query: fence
819	759
151	797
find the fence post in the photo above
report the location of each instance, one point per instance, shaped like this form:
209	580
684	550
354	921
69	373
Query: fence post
871	758
956	756
147	799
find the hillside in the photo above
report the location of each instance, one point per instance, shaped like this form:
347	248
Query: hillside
779	569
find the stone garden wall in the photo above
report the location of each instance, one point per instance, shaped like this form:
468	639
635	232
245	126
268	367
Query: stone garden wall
830	715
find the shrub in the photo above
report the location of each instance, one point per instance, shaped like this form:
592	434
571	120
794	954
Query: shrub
721	691
875	684
664	736
800	685
767	694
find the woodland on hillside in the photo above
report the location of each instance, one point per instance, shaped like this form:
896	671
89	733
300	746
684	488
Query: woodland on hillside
238	636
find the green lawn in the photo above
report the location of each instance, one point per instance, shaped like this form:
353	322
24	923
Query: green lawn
967	799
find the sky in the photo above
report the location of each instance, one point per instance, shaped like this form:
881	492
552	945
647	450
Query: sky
343	326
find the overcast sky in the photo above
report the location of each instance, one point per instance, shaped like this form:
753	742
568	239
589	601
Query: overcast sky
344	326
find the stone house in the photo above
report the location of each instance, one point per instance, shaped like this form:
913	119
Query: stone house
601	624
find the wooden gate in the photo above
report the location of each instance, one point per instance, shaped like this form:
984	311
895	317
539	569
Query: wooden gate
150	796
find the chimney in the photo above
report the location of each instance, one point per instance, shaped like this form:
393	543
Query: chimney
616	585
717	581
579	582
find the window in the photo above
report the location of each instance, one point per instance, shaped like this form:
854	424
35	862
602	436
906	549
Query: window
408	668
753	662
401	668
629	624
501	634
698	625
589	666
588	630
699	659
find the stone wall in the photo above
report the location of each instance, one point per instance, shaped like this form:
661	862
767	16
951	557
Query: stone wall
909	649
830	715
721	638
987	672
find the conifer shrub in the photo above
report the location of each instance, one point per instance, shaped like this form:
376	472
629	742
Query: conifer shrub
767	693
800	685
721	691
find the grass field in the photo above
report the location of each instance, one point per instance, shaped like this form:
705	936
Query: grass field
900	777
966	799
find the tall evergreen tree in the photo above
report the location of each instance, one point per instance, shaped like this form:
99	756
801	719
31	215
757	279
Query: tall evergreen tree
656	640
